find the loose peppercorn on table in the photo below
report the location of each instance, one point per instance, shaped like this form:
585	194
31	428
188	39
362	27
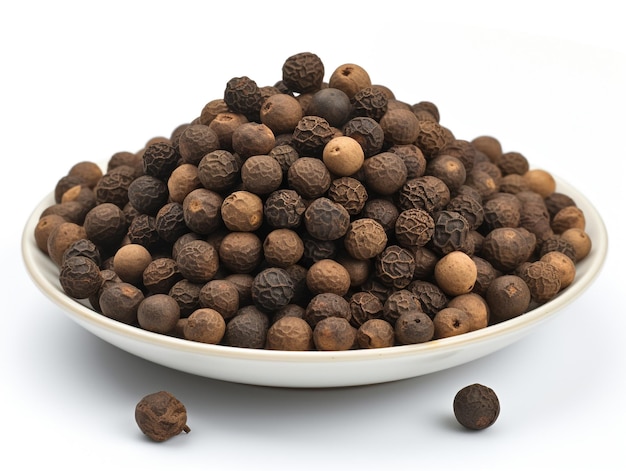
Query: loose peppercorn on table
329	231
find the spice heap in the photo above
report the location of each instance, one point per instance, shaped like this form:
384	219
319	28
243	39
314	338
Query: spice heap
312	215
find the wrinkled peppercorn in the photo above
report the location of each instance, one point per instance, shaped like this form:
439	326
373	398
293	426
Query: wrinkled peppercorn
161	416
476	406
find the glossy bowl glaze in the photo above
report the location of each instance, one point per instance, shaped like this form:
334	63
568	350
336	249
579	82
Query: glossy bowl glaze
314	369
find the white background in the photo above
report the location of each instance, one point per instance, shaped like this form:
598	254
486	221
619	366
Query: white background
82	80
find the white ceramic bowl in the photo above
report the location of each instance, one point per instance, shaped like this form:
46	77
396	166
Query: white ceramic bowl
314	369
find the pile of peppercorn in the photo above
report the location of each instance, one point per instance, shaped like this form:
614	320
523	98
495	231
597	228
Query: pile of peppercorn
313	215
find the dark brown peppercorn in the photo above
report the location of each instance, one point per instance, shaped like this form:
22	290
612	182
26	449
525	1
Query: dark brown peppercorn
315	249
367	132
395	266
113	188
506	248
363	307
202	211
412	157
414	228
385	173
349	193
508	296
370	102
142	231
309	177
470	208
261	174
485	274
400	126
557	201
158	313
426	192
449	170
325	305
451	232
160	275
383	211
61	237
218	171
120	301
187	295
170	222
284	209
195	142
303	72
331	104
65	183
80	277
242	95
248	329
198	261
476	407
252	139
501	210
147	194
398	303
105	225
285	155
161	416
425	261
431	297
241	252
159	160
311	135
513	163
326	220
83	248
413	327
272	289
281	113
328	276
432	137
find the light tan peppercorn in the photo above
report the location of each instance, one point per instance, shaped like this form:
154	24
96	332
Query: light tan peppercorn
328	276
580	241
451	321
568	218
456	273
224	125
242	211
476	306
349	78
183	180
130	261
540	181
343	156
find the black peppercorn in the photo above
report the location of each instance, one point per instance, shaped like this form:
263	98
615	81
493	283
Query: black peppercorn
272	289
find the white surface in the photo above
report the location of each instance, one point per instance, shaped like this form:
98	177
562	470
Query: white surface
315	369
81	82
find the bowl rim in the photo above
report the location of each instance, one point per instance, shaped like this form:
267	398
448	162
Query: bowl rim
587	270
